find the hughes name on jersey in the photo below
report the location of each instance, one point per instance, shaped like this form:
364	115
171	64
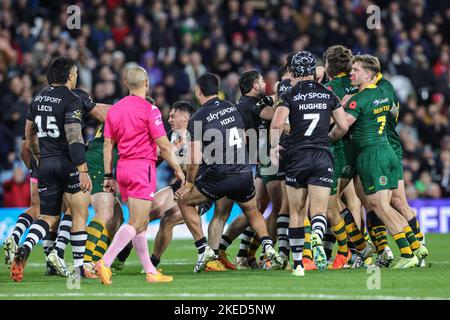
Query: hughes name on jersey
310	105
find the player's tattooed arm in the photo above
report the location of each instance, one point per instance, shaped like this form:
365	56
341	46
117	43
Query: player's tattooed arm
32	139
73	133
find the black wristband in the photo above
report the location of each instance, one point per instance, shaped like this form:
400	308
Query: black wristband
108	175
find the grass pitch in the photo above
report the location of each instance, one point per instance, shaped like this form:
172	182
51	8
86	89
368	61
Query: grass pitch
432	282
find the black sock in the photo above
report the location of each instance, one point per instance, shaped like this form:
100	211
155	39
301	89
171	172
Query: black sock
154	260
319	225
125	253
283	234
38	230
246	239
266	241
22	224
225	242
65	227
297	241
78	243
48	242
201	245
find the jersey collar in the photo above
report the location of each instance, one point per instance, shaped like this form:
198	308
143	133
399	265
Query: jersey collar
211	102
379	77
340	75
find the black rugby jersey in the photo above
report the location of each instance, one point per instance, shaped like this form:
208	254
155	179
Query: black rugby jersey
310	105
51	108
220	127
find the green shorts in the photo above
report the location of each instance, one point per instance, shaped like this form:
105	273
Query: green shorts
94	158
349	160
397	147
339	159
266	178
377	168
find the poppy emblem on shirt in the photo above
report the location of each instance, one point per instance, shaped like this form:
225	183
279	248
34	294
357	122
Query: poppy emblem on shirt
352	105
330	88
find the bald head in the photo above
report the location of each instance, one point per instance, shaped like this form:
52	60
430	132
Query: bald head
137	78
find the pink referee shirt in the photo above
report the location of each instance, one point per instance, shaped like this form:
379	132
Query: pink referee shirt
134	124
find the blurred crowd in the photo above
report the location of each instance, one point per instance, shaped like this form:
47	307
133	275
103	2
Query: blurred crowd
177	41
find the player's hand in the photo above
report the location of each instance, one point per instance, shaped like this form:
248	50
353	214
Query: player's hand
275	155
85	182
179	174
185	188
109	185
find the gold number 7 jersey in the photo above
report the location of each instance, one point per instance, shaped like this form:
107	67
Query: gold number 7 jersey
371	108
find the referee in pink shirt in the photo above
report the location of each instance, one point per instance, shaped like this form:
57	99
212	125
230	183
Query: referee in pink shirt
136	126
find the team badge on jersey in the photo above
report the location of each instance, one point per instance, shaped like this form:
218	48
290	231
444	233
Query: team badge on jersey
383	180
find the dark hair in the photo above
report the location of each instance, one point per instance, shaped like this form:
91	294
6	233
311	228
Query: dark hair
59	70
289	60
339	60
282	71
247	79
184	106
208	84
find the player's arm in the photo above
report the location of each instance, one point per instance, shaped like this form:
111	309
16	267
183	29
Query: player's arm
276	128
263	108
342	123
99	112
168	153
196	159
74	135
25	154
108	154
32	139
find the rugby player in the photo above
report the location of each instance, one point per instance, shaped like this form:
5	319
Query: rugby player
376	162
310	107
398	199
53	133
224	171
256	111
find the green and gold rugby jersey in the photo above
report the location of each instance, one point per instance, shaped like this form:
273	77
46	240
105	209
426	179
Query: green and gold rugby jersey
341	86
371	108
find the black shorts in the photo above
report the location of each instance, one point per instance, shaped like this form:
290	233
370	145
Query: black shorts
283	163
239	187
57	175
33	168
310	167
201	208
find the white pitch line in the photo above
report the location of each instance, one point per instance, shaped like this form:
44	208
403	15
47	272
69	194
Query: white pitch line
178	262
217	295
